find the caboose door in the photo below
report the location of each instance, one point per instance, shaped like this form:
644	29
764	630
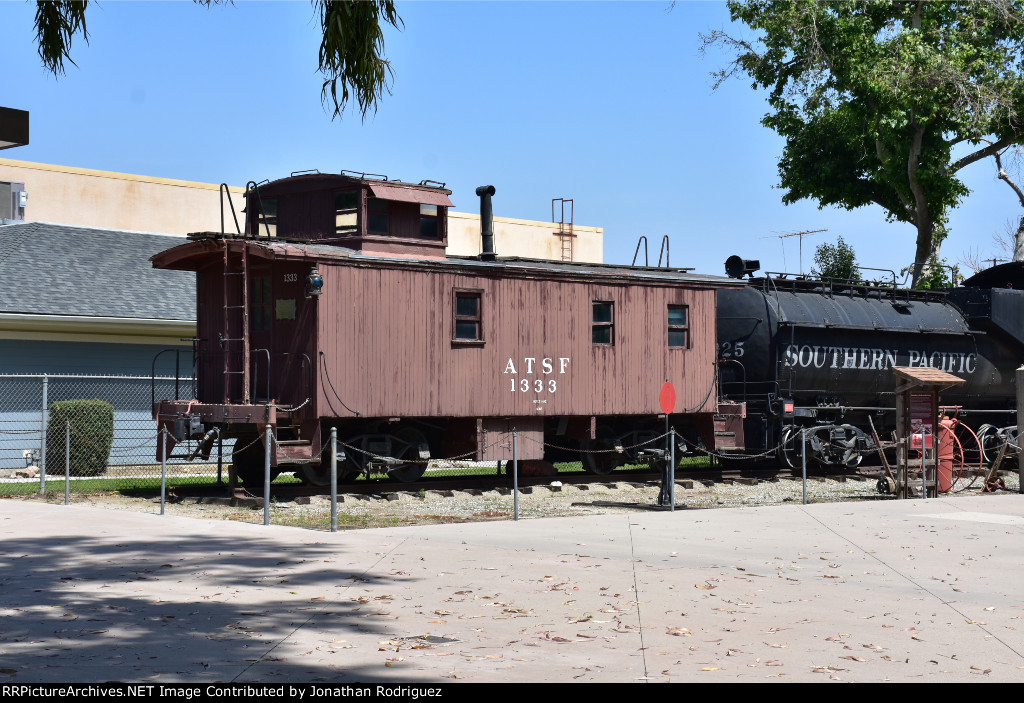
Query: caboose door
281	334
261	316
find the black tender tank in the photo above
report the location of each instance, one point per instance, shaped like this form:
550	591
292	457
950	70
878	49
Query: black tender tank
826	345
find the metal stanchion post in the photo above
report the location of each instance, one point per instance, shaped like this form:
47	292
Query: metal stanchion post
803	459
220	457
67	462
1020	424
266	479
672	470
924	471
163	469
334	479
42	440
515	474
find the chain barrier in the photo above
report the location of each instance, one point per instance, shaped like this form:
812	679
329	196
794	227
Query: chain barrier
458	457
31	432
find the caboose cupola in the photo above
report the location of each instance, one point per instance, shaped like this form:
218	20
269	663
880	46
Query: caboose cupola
359	211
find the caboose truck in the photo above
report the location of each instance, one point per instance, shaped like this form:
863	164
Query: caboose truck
337	307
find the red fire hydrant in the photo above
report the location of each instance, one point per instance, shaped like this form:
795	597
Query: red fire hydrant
947	438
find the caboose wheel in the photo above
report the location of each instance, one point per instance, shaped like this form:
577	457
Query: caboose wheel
250	461
599	455
886	486
409	440
321	475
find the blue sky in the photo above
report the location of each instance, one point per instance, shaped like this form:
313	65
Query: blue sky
607	103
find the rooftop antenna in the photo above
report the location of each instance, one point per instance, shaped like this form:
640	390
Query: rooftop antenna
783	237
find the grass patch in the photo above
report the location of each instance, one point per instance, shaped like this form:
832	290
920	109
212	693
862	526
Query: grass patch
126	485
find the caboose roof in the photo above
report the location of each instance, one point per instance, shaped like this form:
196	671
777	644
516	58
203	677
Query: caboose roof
191	255
379	187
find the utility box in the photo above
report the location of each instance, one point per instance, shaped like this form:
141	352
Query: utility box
13	200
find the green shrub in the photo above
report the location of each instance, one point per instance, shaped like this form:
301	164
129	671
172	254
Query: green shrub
92	433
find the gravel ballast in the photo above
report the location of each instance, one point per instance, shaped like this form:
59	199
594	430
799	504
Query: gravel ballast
391	507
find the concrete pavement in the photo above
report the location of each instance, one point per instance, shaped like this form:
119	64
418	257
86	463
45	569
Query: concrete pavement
874	591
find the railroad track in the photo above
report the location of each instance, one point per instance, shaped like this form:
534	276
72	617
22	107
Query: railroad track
634	477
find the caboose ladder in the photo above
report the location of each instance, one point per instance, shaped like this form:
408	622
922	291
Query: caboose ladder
235	336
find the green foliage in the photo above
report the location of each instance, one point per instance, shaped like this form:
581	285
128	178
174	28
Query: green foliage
351	52
57	22
836	261
872	98
939	274
92	434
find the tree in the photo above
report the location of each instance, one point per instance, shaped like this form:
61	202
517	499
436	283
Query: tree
1017	253
873	98
351	53
836	261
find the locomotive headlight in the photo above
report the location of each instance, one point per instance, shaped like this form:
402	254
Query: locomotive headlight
314	283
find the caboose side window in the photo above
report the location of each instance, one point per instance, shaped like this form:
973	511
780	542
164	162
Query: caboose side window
604	323
678	326
428	221
266	217
260	304
467	317
377	215
346	218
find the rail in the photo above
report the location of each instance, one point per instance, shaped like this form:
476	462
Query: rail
262	373
224	191
643	239
177	374
253	187
306	367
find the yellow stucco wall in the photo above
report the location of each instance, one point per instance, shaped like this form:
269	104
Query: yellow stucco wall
526	238
81	196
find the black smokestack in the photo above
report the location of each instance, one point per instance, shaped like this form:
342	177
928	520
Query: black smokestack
486	223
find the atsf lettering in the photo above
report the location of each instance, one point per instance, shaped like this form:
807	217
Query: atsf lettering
533	366
874	359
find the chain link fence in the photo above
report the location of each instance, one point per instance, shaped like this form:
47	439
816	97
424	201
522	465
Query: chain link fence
101	427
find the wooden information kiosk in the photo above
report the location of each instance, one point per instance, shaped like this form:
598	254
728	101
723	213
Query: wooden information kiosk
917	429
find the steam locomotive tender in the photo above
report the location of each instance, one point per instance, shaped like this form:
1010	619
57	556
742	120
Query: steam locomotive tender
816	355
337	307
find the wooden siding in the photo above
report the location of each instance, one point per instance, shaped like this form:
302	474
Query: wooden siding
387	335
286	340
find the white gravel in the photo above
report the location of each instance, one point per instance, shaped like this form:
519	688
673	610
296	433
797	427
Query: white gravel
419	507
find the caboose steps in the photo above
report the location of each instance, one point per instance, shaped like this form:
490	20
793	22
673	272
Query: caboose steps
297	451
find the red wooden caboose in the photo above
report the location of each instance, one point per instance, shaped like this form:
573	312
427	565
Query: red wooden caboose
338	307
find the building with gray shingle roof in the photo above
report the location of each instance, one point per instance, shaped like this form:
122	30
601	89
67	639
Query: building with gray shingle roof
87	300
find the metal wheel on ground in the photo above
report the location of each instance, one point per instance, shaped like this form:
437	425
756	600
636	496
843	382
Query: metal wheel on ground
321	475
406	446
599	455
789	448
249	459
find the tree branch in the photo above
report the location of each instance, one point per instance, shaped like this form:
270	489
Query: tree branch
992	149
57	22
1003	176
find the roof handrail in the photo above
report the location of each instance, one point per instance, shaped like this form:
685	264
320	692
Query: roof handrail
643	239
224	190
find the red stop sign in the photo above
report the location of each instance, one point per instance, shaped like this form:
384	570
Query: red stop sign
667	398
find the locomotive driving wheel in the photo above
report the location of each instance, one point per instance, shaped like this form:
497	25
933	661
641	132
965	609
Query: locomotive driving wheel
789	448
408	441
